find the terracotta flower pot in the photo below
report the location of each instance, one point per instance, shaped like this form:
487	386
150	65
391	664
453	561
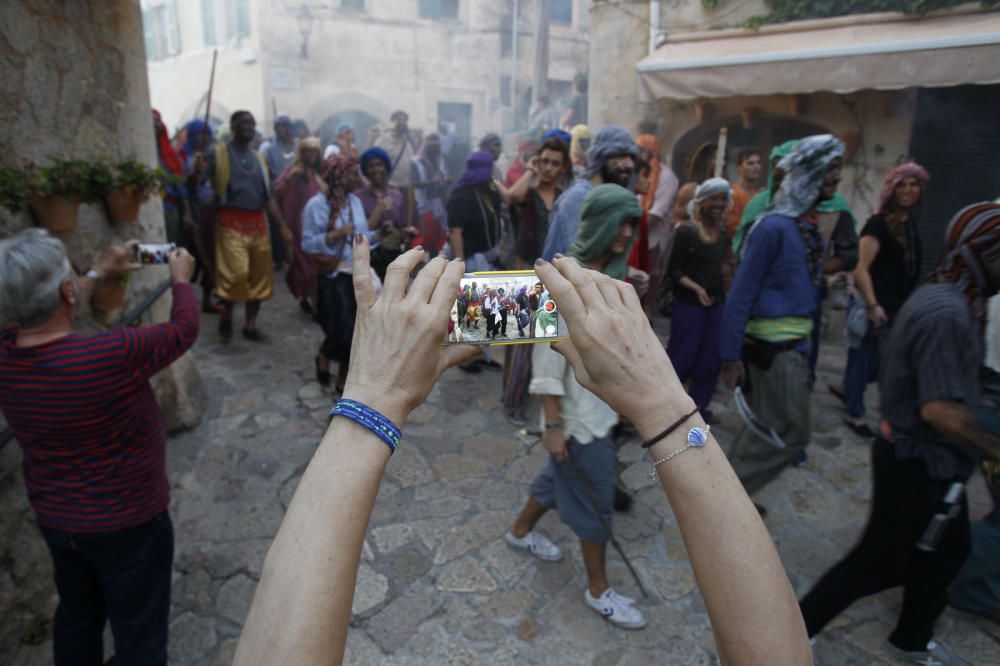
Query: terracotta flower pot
123	204
56	213
109	295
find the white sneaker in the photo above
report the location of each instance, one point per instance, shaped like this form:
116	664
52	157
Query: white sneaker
537	545
936	654
615	610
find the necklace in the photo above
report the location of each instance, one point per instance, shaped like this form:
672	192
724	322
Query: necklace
814	250
246	161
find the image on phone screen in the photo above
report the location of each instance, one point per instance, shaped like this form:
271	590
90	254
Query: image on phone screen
503	308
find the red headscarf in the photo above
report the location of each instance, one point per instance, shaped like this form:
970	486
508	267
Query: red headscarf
166	151
335	170
898	175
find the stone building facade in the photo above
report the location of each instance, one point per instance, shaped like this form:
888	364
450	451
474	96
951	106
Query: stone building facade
882	123
447	62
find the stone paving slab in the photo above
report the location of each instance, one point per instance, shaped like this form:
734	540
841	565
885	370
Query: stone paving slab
437	585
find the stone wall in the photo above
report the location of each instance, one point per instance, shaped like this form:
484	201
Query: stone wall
74	86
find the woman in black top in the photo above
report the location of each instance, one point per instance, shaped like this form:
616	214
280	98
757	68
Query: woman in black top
696	270
887	272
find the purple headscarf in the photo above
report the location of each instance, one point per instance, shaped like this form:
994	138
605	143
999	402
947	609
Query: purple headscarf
478	169
898	175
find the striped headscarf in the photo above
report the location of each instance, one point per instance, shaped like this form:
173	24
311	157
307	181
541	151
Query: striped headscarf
335	171
972	242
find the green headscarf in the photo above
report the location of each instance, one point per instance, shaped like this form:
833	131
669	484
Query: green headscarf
603	212
759	203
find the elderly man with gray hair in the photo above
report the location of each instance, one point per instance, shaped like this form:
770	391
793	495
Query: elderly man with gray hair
93	443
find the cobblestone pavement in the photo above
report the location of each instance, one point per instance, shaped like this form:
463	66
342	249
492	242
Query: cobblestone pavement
437	585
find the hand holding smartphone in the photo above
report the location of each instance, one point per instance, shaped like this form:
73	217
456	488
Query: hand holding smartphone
504	308
153	253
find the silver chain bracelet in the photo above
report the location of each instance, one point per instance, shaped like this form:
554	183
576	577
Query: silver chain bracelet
696	439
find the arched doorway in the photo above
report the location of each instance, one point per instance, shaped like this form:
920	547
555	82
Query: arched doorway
359	120
693	153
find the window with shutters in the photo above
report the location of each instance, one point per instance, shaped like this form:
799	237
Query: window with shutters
438	9
223	21
160	30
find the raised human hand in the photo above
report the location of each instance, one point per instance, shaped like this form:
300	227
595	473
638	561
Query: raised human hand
612	348
397	355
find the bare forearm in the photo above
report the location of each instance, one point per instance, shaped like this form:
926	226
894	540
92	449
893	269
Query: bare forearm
750	602
863	281
551	409
519	190
688	283
301	609
959	424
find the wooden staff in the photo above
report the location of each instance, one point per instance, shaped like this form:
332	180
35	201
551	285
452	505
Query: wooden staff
199	244
720	153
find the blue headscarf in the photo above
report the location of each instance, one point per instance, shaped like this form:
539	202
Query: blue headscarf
376	153
342	126
609	142
557	133
192	138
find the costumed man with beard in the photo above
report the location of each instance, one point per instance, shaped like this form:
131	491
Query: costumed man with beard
579	478
768	318
929	445
293	189
384	208
610	159
244	270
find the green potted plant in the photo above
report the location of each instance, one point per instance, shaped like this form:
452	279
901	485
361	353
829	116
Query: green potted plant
55	192
133	182
13	189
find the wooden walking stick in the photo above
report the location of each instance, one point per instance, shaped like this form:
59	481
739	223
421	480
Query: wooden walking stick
720	153
199	243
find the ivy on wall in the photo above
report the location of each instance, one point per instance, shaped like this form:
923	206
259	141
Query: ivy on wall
794	10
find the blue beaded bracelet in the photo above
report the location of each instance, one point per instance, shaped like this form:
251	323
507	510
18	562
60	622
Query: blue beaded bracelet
368	418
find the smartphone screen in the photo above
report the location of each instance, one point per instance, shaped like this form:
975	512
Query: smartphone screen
153	253
504	308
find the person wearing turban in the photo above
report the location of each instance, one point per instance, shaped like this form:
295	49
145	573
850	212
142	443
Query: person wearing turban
696	264
929	445
384	209
293	189
887	272
579	476
610	159
770	310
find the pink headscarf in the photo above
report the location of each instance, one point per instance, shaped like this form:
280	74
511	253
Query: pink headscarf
895	177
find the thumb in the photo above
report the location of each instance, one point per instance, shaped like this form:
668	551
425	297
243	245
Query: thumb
572	355
452	355
364	293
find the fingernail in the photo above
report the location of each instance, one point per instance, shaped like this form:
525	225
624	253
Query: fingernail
419	248
540	262
559	255
358	238
458	259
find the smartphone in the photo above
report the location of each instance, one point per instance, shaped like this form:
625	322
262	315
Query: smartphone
153	253
504	308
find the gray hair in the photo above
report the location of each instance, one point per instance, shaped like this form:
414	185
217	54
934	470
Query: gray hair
33	265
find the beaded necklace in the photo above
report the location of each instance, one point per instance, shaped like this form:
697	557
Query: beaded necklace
814	249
